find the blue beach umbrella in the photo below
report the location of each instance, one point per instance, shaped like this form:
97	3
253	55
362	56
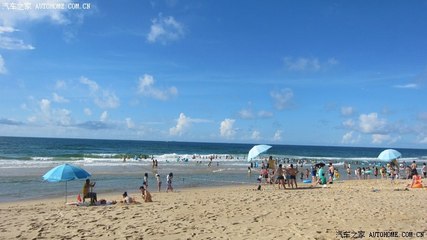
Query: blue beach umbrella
389	155
64	173
257	150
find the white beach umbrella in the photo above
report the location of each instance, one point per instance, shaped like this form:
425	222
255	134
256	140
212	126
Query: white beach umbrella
257	150
389	155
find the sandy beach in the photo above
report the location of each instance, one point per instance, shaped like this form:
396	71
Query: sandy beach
341	210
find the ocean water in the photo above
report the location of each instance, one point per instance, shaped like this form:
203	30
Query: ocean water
23	162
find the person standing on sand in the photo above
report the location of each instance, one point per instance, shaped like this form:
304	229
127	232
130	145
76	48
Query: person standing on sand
145	183
313	174
169	178
280	176
292	176
264	173
159	182
424	170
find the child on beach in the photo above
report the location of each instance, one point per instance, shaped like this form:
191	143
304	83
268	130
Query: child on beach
159	182
169	181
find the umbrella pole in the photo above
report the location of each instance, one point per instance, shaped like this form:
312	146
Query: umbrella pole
65	191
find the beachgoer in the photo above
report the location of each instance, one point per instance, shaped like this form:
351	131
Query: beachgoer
383	172
392	174
159	182
259	180
321	176
307	173
424	170
145	194
408	172
292	176
280	176
145	180
169	178
348	171
416	180
331	171
264	173
87	191
127	199
313	174
414	165
249	171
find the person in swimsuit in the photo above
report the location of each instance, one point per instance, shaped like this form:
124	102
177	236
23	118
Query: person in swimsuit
292	176
145	194
416	180
280	176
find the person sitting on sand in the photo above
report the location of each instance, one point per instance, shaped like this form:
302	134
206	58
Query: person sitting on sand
145	194
416	180
127	199
87	191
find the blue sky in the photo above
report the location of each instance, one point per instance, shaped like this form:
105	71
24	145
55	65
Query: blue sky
346	73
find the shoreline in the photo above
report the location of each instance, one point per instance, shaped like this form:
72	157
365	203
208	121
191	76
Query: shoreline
231	212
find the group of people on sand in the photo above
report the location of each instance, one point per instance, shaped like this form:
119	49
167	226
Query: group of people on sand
281	176
88	193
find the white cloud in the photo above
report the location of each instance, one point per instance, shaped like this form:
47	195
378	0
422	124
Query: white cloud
370	123
63	117
107	100
380	138
60	84
146	88
3	69
11	43
350	138
408	86
347	111
256	135
246	114
129	123
226	128
93	86
165	29
277	136
183	123
87	111
308	64
282	98
104	116
44	105
102	98
47	114
349	123
4	29
423	140
59	99
13	17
